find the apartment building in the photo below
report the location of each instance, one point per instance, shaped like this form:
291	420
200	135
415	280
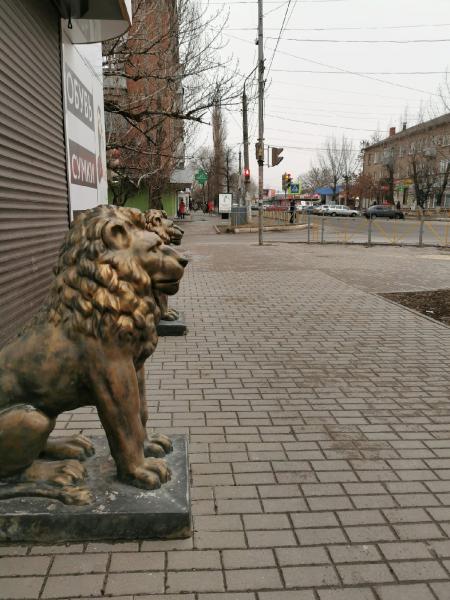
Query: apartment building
410	166
141	86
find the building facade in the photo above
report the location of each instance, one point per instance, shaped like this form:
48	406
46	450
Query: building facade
51	146
142	89
410	167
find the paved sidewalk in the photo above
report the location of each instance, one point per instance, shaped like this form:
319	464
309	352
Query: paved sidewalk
319	425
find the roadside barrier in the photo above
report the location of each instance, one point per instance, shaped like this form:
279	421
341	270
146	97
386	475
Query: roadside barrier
424	231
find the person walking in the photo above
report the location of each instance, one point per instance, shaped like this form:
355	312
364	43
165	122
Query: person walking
292	210
398	206
182	209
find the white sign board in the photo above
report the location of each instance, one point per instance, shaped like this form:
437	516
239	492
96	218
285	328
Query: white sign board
84	125
225	203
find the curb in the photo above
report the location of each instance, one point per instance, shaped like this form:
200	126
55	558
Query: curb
280	228
411	310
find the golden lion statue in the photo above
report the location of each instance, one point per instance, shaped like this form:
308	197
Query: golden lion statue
158	222
87	346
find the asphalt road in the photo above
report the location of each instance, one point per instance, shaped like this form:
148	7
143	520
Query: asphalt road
355	230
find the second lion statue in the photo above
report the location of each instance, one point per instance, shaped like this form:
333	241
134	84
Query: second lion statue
158	222
87	346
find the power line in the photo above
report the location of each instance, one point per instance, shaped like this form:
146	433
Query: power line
279	35
361	72
315	62
237	2
330	41
336	91
283	118
377	27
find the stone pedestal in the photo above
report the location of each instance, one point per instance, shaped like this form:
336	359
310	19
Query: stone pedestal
166	328
120	512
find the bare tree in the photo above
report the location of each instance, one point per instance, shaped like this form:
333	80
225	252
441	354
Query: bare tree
339	159
217	176
161	79
429	169
316	177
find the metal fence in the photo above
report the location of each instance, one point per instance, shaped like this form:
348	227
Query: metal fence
426	231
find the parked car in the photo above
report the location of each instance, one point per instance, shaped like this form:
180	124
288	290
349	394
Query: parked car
320	209
340	210
386	211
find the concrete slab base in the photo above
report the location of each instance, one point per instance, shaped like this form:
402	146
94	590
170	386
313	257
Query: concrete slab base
119	512
166	328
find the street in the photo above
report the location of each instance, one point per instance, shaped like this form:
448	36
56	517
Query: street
319	428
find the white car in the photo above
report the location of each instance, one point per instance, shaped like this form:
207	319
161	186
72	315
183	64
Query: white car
339	210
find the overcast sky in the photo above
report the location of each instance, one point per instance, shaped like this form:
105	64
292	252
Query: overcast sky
304	108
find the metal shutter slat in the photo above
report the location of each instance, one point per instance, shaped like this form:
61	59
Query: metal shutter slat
33	182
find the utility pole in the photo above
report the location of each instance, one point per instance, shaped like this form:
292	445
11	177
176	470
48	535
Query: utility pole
246	157
260	121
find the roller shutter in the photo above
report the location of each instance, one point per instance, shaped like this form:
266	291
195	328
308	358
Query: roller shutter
33	187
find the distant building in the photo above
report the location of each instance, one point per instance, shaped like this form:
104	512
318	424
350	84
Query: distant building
410	162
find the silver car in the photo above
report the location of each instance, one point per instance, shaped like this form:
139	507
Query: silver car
340	210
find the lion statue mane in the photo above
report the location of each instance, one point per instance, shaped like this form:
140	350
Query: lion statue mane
87	346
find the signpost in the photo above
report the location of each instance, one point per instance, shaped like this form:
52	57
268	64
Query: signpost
225	203
201	177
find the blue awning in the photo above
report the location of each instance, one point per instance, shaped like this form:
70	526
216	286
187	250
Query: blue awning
327	191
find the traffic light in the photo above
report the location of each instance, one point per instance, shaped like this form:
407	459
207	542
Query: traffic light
259	152
276	158
286	180
246	174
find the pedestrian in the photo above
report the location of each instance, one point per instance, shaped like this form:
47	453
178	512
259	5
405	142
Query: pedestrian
182	209
292	210
398	205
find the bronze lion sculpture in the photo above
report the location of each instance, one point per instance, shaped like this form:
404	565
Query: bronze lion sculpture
87	347
158	222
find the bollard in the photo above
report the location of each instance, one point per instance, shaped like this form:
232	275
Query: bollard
369	232
309	227
421	231
322	230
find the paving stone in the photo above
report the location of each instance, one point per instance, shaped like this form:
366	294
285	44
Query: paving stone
79	585
347	594
310	576
441	589
301	556
405	550
237	559
137	561
194	559
253	579
195	581
370	573
285	595
23	565
22	588
419	570
405	592
79	563
225	596
354	554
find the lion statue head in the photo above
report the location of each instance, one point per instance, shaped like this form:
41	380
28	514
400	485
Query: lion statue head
158	222
108	271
